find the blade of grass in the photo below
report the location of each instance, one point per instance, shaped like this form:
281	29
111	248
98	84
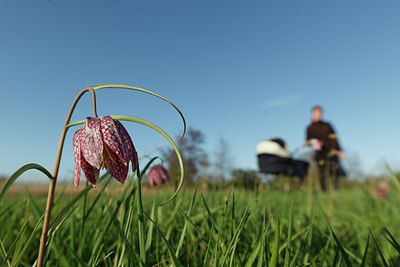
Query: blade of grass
69	205
256	252
186	222
18	247
3	254
96	259
140	217
34	207
53	229
210	214
235	239
275	249
294	260
13	245
205	261
22	253
289	237
364	258
391	240
341	249
128	244
108	223
384	263
106	175
150	228
73	255
336	258
105	258
195	227
171	251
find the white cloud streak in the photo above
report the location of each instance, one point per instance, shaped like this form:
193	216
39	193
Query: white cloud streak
283	101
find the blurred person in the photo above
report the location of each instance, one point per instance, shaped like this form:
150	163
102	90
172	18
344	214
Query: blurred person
322	137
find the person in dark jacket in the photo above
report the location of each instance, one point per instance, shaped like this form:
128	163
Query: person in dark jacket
323	138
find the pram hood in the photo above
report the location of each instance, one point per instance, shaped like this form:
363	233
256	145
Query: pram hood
274	158
273	147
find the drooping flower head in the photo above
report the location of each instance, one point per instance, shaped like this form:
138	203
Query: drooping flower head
103	143
158	175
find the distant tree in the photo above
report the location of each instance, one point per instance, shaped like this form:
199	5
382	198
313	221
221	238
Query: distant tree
193	155
204	164
247	179
223	161
353	167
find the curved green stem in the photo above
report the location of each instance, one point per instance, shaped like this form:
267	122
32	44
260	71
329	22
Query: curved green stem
53	182
158	129
121	86
52	185
19	172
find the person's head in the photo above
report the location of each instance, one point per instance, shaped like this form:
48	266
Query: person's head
316	113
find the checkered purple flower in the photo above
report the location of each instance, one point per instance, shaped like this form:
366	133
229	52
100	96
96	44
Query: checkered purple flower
103	143
158	175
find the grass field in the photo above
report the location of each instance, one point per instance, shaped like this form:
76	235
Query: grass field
230	227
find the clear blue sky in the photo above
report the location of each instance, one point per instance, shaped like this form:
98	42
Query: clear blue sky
243	70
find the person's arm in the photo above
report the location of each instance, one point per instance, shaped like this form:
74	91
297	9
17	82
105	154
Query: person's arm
334	138
335	143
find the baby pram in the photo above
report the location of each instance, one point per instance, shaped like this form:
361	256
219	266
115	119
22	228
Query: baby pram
274	158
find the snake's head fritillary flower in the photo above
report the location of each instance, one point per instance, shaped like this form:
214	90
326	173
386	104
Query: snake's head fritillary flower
158	175
103	143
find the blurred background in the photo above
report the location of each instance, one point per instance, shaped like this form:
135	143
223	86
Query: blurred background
241	72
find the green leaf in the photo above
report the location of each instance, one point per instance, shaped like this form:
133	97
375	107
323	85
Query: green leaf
19	172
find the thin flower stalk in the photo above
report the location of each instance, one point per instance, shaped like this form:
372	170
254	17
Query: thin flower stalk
67	125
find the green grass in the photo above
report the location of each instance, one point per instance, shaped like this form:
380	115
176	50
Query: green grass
229	227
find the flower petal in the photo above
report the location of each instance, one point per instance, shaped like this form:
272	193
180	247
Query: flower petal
77	156
91	173
118	140
158	175
130	150
116	167
92	143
